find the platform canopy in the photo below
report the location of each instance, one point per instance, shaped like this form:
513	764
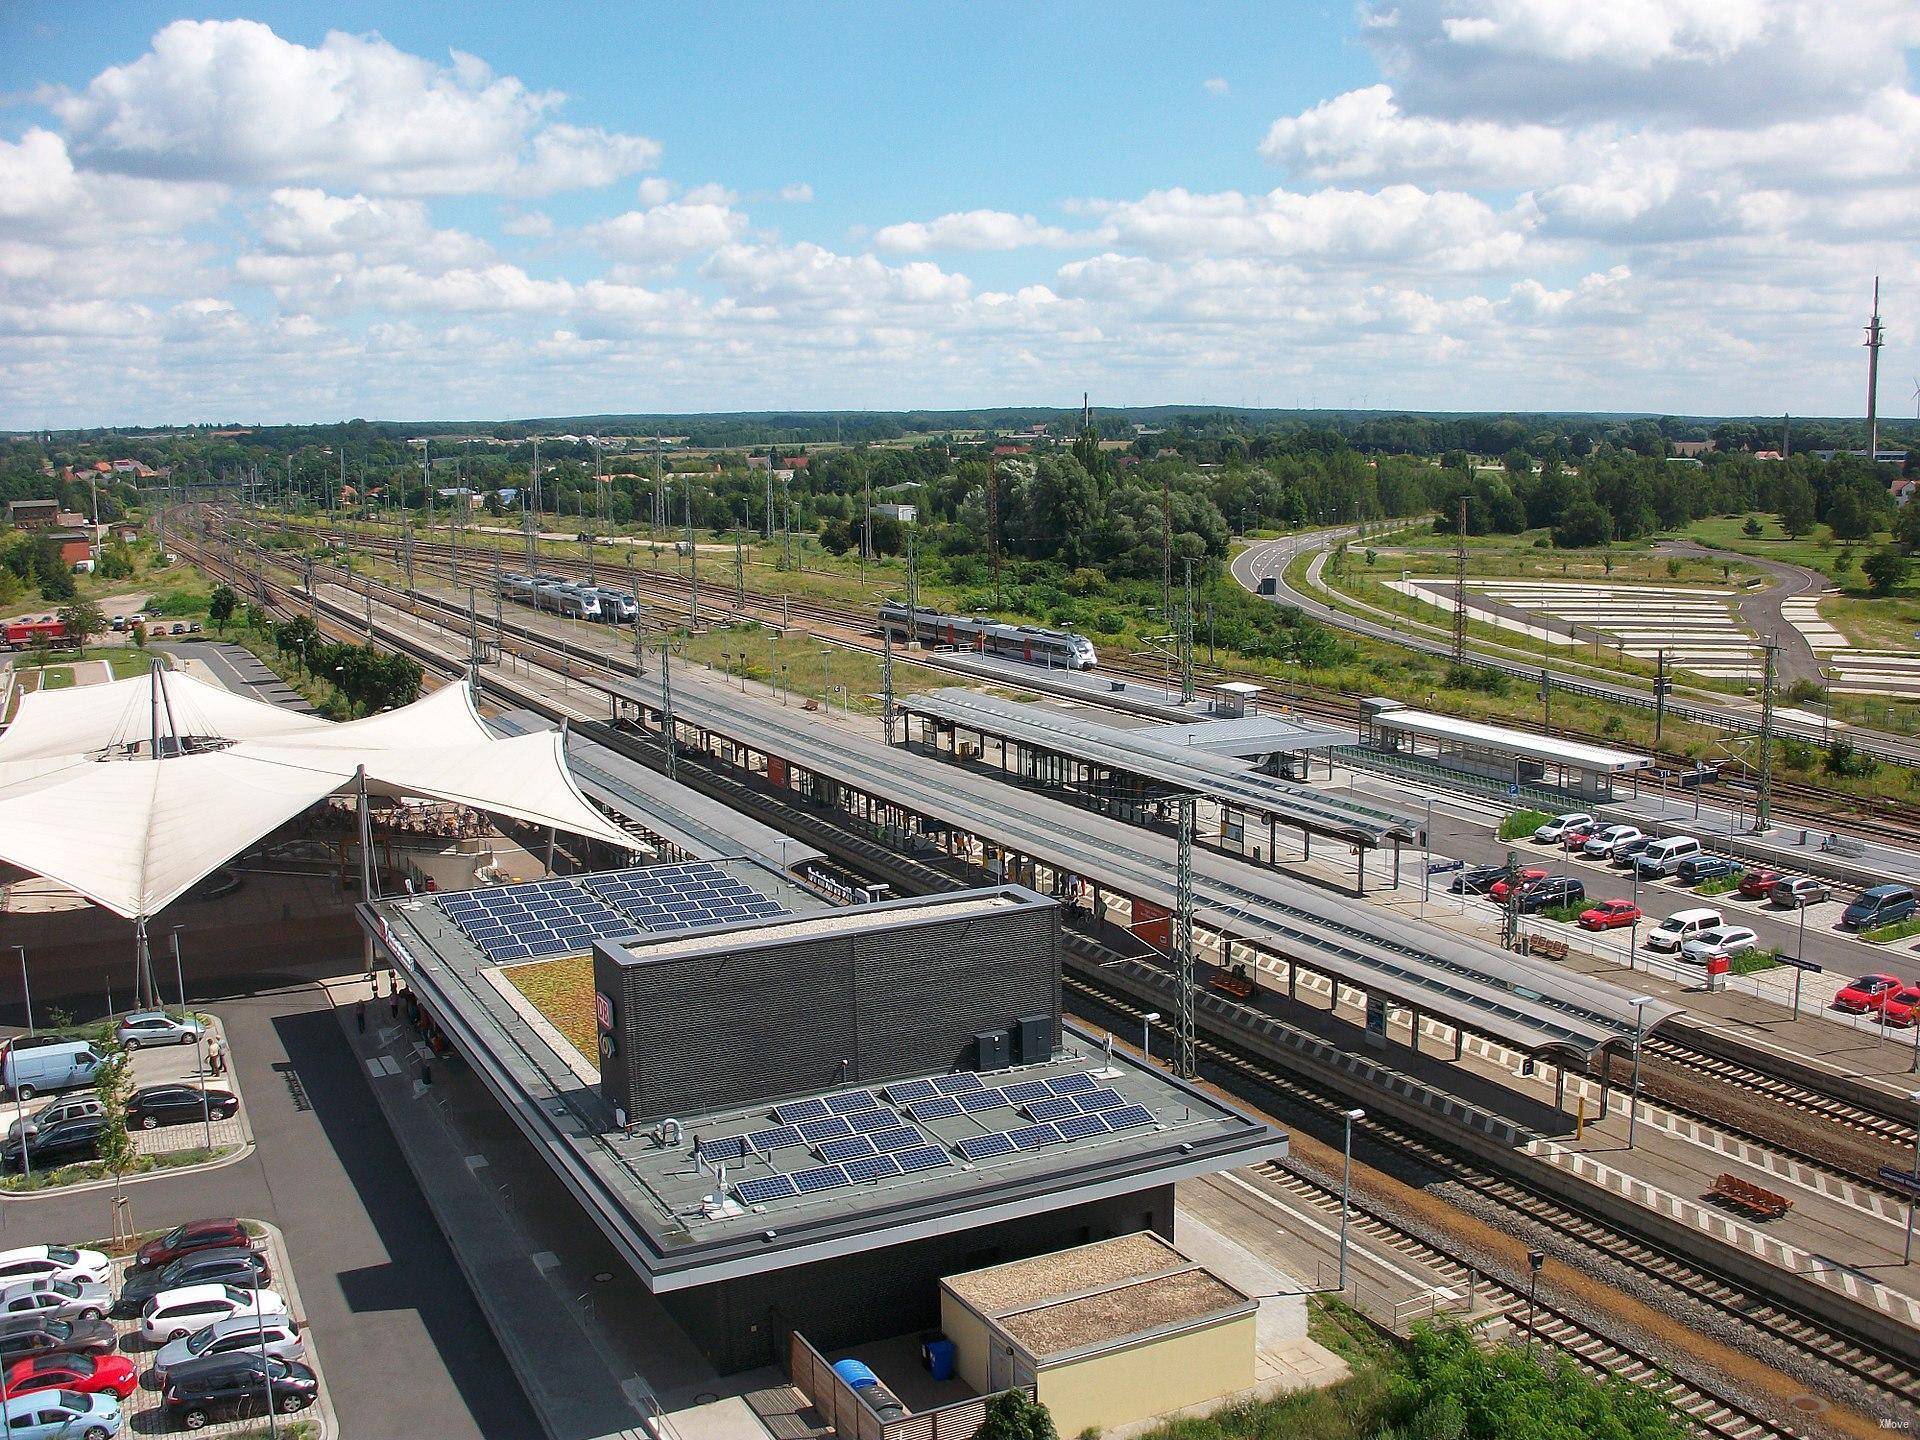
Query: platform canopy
163	778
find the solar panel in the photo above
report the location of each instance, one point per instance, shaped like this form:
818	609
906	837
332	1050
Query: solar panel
830	1128
1051	1108
1079	1127
1127	1116
515	922
778	1138
679	897
1100	1099
727	1147
863	1120
765	1188
940	1107
981	1100
900	1137
849	1101
853	1147
826	1177
1071	1084
795	1111
985	1147
924	1157
957	1083
1027	1091
1032	1137
874	1167
909	1091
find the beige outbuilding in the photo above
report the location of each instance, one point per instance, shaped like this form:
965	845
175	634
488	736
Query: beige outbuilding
1109	1334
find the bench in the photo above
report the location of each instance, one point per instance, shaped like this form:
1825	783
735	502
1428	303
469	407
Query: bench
1232	982
1543	946
1744	1195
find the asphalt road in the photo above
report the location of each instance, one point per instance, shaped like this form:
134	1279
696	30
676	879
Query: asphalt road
1761	609
405	1348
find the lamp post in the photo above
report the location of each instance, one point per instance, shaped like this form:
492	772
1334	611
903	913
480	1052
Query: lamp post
1146	1034
1800	958
1906	1255
1535	1260
199	1068
26	990
1633	935
1639	1003
1346	1185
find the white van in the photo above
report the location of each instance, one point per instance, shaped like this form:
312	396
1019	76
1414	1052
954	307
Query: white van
1663	857
1682	926
39	1069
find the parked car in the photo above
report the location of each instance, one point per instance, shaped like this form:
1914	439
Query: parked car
1758	884
1721	940
33	1335
1682	926
157	1105
1526	879
56	1300
1477	880
1866	994
1882	905
67	1107
1551	893
61	1415
234	1265
1900	1006
1609	915
1664	857
278	1335
88	1374
68	1143
1556	829
156	1027
1604	843
187	1238
238	1387
1627	853
1705	867
1795	891
46	1262
179	627
41	1069
174	1313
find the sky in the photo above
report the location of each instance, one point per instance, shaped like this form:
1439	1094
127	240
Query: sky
450	211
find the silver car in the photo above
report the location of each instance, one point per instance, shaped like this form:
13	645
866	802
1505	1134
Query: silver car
277	1334
1795	891
71	1107
56	1300
156	1027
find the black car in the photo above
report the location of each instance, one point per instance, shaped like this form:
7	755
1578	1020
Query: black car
237	1387
246	1269
1550	893
1707	867
63	1143
23	1335
158	1105
1477	880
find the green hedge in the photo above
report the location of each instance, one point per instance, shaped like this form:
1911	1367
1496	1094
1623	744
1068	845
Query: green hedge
1522	823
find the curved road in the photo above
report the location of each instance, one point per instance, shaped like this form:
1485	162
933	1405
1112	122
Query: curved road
1762	609
1270	558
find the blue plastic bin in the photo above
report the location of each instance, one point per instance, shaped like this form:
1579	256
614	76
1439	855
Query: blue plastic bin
939	1358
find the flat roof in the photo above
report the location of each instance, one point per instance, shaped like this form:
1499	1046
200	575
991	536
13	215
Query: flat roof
791	929
682	1224
1064	1272
1245	735
1140	753
1119	1314
1555	750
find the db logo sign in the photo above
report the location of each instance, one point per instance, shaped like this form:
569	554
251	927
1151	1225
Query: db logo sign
603	1010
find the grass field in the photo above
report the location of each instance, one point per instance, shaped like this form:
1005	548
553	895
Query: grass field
1817	550
1531	556
1890	623
562	990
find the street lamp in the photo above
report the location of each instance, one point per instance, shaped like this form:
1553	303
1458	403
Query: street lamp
1639	1003
1346	1185
1535	1259
1146	1034
199	1070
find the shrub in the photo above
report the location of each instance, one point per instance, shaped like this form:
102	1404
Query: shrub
1522	823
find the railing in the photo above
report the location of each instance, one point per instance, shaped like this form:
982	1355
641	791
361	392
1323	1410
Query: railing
1399	1316
1360	757
852	1418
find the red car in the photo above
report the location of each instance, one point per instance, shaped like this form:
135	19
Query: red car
1900	1006
188	1238
1758	884
1529	877
1867	994
1609	915
1577	836
88	1374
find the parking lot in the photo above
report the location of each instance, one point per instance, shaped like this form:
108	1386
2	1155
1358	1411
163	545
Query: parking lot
170	1065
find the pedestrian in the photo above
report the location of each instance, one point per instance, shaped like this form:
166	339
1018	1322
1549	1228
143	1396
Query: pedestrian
360	1017
216	1057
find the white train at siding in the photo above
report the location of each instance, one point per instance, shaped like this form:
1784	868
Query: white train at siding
1031	643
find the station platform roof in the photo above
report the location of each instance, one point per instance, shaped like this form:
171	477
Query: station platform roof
1549	749
1186	768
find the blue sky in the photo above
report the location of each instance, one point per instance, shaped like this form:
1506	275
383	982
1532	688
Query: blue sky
1438	204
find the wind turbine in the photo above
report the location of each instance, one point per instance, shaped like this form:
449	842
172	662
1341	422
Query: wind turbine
1916	397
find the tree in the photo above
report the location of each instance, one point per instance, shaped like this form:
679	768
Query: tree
1887	570
1797	504
220	607
113	1084
1585	524
1753	529
83	620
1013	1415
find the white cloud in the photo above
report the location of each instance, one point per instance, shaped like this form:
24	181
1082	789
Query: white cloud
1216	86
809	277
231	101
299	221
970	230
700	222
528	224
1362	135
798	193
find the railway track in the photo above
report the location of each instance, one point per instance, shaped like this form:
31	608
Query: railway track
1712	1413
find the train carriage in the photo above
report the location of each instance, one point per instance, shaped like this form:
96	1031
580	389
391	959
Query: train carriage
1058	649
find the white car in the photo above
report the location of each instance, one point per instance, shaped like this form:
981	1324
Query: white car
1602	846
277	1334
173	1314
53	1262
1721	940
156	1027
1555	829
1683	926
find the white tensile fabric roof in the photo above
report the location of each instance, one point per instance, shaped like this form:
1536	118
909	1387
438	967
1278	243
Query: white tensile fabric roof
100	814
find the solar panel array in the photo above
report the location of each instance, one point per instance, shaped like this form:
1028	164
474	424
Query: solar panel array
559	916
